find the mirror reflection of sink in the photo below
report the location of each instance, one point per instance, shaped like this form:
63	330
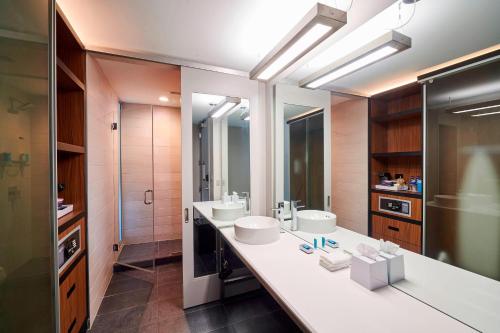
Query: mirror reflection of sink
228	211
256	230
316	221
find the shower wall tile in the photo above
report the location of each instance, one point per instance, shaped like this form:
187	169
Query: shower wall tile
102	109
167	172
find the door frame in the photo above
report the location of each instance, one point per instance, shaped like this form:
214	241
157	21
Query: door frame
206	288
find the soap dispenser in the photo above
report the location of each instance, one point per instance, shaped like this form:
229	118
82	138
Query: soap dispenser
235	198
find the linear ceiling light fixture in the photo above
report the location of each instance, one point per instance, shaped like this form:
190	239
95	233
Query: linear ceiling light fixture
224	106
477	109
485	114
390	43
317	25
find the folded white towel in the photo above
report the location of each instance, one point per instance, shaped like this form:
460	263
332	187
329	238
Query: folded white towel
335	260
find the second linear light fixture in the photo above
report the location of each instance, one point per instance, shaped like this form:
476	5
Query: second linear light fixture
388	44
224	106
317	25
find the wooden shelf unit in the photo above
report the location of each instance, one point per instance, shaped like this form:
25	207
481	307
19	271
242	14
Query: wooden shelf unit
71	171
395	146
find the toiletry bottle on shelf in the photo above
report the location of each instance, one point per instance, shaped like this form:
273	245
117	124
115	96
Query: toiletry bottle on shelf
226	198
235	197
419	185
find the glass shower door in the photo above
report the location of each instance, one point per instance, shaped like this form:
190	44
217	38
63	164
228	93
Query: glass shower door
27	223
138	246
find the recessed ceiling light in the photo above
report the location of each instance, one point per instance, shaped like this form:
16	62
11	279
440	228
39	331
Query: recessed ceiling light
378	49
163	98
317	25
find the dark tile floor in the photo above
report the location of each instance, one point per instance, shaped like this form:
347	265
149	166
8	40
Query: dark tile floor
133	253
138	301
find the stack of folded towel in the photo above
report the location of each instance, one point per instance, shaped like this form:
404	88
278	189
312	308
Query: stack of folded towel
335	260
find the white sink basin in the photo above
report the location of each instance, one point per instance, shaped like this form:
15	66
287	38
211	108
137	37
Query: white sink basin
316	221
228	211
256	230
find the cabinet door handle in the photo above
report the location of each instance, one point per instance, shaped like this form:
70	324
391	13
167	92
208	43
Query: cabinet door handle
71	290
393	228
186	215
73	323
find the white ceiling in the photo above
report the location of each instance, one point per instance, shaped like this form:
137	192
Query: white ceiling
237	34
141	81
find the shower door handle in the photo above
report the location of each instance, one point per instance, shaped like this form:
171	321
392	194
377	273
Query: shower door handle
186	215
146	202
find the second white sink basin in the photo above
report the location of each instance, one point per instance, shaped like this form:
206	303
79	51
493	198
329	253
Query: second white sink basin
256	230
316	221
228	211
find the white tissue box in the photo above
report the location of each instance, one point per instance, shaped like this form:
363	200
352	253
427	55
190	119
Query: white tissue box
395	266
369	273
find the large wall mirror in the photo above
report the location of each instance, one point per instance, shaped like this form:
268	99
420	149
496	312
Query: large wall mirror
221	164
302	149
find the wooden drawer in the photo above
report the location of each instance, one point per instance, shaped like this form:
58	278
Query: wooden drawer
416	205
73	298
407	235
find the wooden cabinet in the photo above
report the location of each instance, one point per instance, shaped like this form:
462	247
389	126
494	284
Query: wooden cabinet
395	146
70	79
73	298
406	234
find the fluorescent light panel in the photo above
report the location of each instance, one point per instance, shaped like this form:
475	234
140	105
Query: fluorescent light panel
485	114
477	109
317	25
380	48
225	106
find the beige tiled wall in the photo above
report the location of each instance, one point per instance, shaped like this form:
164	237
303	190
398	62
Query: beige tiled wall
102	110
350	164
167	172
151	159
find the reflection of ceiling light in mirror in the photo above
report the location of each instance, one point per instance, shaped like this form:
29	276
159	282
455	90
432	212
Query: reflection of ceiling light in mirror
225	106
477	109
163	98
378	49
247	118
319	23
485	114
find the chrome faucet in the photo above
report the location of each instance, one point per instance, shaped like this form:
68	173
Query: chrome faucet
246	196
294	209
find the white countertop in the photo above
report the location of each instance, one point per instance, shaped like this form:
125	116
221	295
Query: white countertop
205	209
326	301
469	297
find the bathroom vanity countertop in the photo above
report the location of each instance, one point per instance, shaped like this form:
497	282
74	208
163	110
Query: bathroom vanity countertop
323	301
445	287
205	209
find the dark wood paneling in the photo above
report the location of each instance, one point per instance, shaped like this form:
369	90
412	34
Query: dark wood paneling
68	49
416	205
71	173
73	299
71	117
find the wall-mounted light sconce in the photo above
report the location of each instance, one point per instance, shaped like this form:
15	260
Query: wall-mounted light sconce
388	44
317	25
224	106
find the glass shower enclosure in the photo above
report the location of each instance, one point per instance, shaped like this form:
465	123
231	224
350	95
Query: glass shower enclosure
304	173
28	276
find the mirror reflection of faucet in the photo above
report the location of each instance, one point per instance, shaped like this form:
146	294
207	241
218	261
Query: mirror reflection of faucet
294	208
